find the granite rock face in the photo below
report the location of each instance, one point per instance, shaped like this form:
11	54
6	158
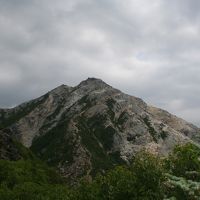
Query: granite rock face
92	127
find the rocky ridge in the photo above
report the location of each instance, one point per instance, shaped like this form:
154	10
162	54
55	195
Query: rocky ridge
92	127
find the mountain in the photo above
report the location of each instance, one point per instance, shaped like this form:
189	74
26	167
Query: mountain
11	149
93	127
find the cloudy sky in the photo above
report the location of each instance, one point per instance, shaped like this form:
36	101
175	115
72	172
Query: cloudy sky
149	49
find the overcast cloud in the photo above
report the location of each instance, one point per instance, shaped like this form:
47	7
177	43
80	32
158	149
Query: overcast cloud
149	49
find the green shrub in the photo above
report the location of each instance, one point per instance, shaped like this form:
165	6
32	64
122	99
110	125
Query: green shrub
184	161
149	174
148	177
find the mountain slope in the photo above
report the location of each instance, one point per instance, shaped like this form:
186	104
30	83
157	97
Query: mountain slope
93	127
11	149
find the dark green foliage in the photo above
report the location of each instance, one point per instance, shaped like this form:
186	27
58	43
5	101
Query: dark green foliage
55	146
55	113
86	102
122	118
181	188
20	113
148	177
100	158
163	135
142	180
98	139
111	103
155	135
34	191
16	172
116	159
145	179
30	180
183	178
118	184
24	152
152	131
11	149
111	113
105	136
102	133
184	161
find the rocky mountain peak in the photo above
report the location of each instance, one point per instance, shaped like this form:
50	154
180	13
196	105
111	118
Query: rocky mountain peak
92	80
92	127
61	89
94	83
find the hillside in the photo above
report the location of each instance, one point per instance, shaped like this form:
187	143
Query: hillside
93	127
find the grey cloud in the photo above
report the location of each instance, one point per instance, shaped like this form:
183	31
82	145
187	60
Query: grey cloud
145	48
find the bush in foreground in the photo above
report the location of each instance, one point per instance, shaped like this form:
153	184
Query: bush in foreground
148	177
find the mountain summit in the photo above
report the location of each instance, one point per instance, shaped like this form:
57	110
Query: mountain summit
92	127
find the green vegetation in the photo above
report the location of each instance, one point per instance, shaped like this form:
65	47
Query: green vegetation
20	113
86	102
148	177
163	135
23	152
105	135
181	188
155	135
185	162
16	172
152	131
110	104
122	118
11	149
55	113
183	172
100	158
55	146
27	179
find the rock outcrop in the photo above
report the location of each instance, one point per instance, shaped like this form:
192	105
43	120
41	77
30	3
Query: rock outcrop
93	127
